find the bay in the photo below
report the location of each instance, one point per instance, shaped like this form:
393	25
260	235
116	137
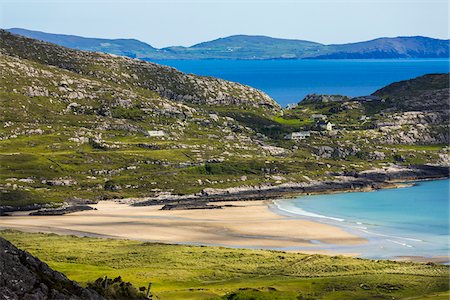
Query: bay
410	221
289	81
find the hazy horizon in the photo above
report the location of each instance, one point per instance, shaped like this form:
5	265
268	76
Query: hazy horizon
222	37
188	22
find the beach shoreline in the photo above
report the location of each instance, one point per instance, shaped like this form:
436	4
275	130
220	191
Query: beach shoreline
246	223
243	224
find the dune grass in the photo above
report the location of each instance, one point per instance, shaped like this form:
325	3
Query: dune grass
198	272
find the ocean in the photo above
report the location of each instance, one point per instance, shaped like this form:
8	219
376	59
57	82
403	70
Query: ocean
410	221
289	81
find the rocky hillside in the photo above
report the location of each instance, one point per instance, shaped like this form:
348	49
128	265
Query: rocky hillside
165	81
424	93
413	112
78	127
24	276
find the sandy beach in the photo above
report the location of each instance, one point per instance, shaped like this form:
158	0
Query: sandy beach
249	224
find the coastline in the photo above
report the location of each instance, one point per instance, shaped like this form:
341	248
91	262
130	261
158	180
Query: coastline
255	224
369	180
246	224
243	225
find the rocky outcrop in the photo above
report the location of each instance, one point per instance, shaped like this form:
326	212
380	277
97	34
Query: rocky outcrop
314	98
418	134
23	276
336	153
61	211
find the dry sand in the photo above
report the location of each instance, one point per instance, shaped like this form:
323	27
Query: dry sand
250	224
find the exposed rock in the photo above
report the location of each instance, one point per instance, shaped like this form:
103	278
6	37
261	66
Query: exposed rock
311	98
60	182
61	211
37	91
325	151
23	276
275	151
377	155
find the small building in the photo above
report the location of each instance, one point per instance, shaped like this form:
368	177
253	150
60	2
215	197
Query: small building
326	125
369	98
155	133
299	135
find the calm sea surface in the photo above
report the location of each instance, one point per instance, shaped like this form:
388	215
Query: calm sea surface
288	81
411	221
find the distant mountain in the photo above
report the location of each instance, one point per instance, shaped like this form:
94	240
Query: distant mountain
248	47
399	47
125	47
255	47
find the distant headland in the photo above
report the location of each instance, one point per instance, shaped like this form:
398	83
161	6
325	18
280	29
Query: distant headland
254	47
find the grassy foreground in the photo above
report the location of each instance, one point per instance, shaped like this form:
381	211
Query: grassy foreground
198	272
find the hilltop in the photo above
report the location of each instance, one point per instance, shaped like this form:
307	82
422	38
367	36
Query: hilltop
79	127
255	47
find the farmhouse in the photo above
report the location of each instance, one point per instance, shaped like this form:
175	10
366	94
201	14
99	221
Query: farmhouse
300	135
155	133
325	125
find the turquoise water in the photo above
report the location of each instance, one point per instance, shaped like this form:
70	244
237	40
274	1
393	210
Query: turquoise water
411	221
288	81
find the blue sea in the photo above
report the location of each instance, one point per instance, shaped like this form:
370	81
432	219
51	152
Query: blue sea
289	81
410	221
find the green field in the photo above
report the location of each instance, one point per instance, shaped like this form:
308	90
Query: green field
198	272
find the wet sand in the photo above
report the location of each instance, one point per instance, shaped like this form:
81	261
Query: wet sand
248	224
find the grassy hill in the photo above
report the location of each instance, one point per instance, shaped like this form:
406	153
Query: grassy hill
195	272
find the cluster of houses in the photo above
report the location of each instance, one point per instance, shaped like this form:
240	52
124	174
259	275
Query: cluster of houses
321	122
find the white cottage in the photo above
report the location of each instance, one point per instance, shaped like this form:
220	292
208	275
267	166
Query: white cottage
299	135
155	133
326	125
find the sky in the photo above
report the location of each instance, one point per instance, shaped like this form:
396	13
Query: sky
183	22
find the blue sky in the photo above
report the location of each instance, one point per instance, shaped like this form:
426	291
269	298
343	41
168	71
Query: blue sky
183	22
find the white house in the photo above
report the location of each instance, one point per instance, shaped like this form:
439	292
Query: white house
326	125
300	135
155	133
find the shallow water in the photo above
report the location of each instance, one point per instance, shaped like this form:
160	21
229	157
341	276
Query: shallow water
288	81
410	221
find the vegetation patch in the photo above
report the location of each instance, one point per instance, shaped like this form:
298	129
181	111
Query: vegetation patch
198	272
